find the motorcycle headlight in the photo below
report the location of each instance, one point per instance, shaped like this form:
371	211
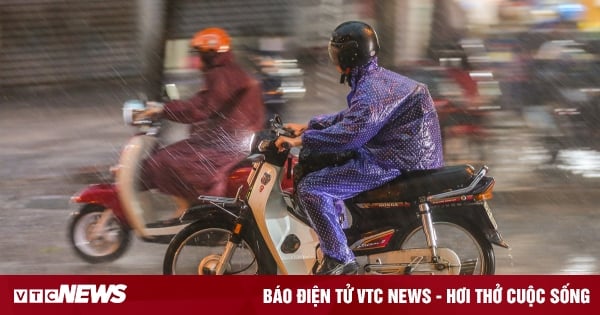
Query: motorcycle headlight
250	144
129	107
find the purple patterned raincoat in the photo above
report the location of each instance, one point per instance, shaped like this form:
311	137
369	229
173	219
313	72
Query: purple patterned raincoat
392	123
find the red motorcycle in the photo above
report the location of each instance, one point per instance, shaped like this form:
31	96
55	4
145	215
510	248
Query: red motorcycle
101	230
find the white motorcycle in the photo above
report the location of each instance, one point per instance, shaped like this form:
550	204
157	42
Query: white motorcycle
425	222
100	230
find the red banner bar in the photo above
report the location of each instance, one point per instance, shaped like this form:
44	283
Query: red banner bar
109	295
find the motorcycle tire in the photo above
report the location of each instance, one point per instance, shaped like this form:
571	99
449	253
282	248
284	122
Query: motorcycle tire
458	234
197	248
111	246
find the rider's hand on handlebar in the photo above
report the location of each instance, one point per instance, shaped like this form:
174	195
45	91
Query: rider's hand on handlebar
297	129
151	112
152	104
292	142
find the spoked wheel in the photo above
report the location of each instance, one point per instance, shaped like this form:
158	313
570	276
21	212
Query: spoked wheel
474	251
197	250
93	245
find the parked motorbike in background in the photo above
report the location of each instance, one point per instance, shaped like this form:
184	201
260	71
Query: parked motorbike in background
464	99
281	78
100	230
435	222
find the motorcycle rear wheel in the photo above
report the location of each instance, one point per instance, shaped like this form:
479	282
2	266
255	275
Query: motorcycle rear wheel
196	250
112	243
472	247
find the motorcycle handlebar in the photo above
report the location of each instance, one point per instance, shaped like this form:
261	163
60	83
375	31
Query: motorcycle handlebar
269	145
279	129
289	132
286	145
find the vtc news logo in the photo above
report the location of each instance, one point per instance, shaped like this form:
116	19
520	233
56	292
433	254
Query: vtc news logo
73	293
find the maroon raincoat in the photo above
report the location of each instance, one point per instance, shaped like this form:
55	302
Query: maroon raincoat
223	116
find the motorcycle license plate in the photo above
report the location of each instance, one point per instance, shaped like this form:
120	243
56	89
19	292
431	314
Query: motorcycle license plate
488	210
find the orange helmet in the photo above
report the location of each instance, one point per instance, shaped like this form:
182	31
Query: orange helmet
213	38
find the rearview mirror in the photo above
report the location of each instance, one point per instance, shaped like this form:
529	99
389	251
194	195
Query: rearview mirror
172	91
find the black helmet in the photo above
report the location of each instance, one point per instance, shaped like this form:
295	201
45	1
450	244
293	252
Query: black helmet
352	44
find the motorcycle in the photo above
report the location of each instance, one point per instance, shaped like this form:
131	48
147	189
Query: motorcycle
101	229
282	79
425	222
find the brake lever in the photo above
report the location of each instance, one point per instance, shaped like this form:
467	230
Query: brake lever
289	132
286	132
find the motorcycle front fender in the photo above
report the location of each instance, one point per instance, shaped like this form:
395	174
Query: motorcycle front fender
101	194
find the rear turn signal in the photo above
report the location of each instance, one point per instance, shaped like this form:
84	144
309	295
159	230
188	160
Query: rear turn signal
486	194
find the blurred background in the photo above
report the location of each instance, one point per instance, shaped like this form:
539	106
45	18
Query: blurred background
538	57
516	85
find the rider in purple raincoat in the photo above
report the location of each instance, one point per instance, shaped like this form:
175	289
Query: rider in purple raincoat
390	122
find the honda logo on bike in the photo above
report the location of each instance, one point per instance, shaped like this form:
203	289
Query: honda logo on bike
265	179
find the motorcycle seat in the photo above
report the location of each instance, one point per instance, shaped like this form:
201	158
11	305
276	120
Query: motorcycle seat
414	184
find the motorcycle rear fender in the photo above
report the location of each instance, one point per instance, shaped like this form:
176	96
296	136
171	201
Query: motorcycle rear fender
477	214
101	194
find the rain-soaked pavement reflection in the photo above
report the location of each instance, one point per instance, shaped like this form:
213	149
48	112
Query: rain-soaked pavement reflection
584	162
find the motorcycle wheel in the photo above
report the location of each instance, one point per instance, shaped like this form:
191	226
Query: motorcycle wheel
197	248
472	247
112	243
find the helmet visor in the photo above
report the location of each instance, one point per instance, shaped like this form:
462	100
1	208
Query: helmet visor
334	52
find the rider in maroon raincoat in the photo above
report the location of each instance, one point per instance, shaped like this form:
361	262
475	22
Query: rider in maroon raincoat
223	115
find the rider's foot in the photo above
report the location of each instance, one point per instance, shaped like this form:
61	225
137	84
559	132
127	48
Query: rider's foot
182	206
330	266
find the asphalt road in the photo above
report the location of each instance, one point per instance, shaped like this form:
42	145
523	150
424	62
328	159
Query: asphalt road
54	145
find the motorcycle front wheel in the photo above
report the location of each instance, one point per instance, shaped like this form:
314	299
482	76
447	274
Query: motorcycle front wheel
197	249
472	247
94	246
